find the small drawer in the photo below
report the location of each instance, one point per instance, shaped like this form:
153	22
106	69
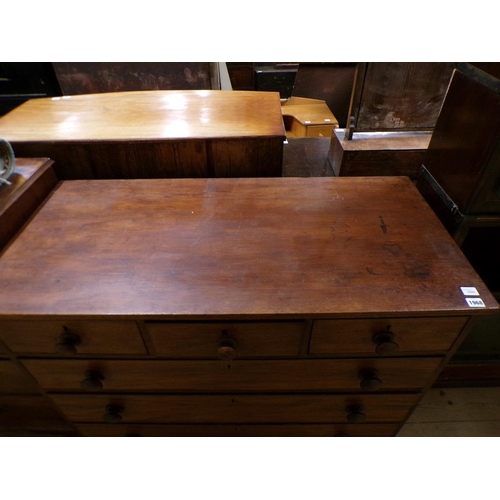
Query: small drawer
14	380
72	337
385	336
226	430
241	375
235	408
226	340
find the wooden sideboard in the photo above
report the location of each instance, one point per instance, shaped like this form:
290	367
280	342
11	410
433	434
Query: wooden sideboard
262	307
152	134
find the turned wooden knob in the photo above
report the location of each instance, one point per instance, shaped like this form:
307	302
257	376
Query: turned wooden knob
355	414
385	344
369	380
67	342
226	346
92	380
113	414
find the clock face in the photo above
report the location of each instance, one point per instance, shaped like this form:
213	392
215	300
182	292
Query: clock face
7	161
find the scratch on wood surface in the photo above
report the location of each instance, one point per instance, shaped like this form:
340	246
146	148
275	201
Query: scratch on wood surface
382	224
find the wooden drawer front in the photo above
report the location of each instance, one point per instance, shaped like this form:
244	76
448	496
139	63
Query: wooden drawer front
225	430
356	336
14	380
72	337
202	340
232	409
217	376
33	412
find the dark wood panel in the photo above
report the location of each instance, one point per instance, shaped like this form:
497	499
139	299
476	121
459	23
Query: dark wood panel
263	430
368	154
238	375
236	408
245	157
331	82
241	75
402	95
94	77
464	144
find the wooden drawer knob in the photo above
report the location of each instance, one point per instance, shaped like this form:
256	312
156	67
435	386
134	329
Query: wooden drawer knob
113	414
369	380
92	381
355	414
226	346
67	342
385	344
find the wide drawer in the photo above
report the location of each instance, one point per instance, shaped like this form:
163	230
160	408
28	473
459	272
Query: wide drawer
234	408
72	337
226	339
385	336
239	375
227	430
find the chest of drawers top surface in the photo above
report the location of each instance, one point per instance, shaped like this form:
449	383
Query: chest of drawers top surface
146	115
236	248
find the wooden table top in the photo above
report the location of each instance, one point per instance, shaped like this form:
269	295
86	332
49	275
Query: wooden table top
146	115
243	248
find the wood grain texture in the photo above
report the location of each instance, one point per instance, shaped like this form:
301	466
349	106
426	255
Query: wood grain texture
200	340
235	408
221	430
95	337
192	249
377	153
152	134
411	335
240	375
145	115
398	95
32	181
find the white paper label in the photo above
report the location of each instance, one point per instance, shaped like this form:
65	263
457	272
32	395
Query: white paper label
475	302
469	290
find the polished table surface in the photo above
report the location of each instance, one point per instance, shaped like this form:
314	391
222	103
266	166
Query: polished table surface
243	248
146	115
152	134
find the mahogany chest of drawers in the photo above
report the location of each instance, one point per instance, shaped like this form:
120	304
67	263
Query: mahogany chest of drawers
252	307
